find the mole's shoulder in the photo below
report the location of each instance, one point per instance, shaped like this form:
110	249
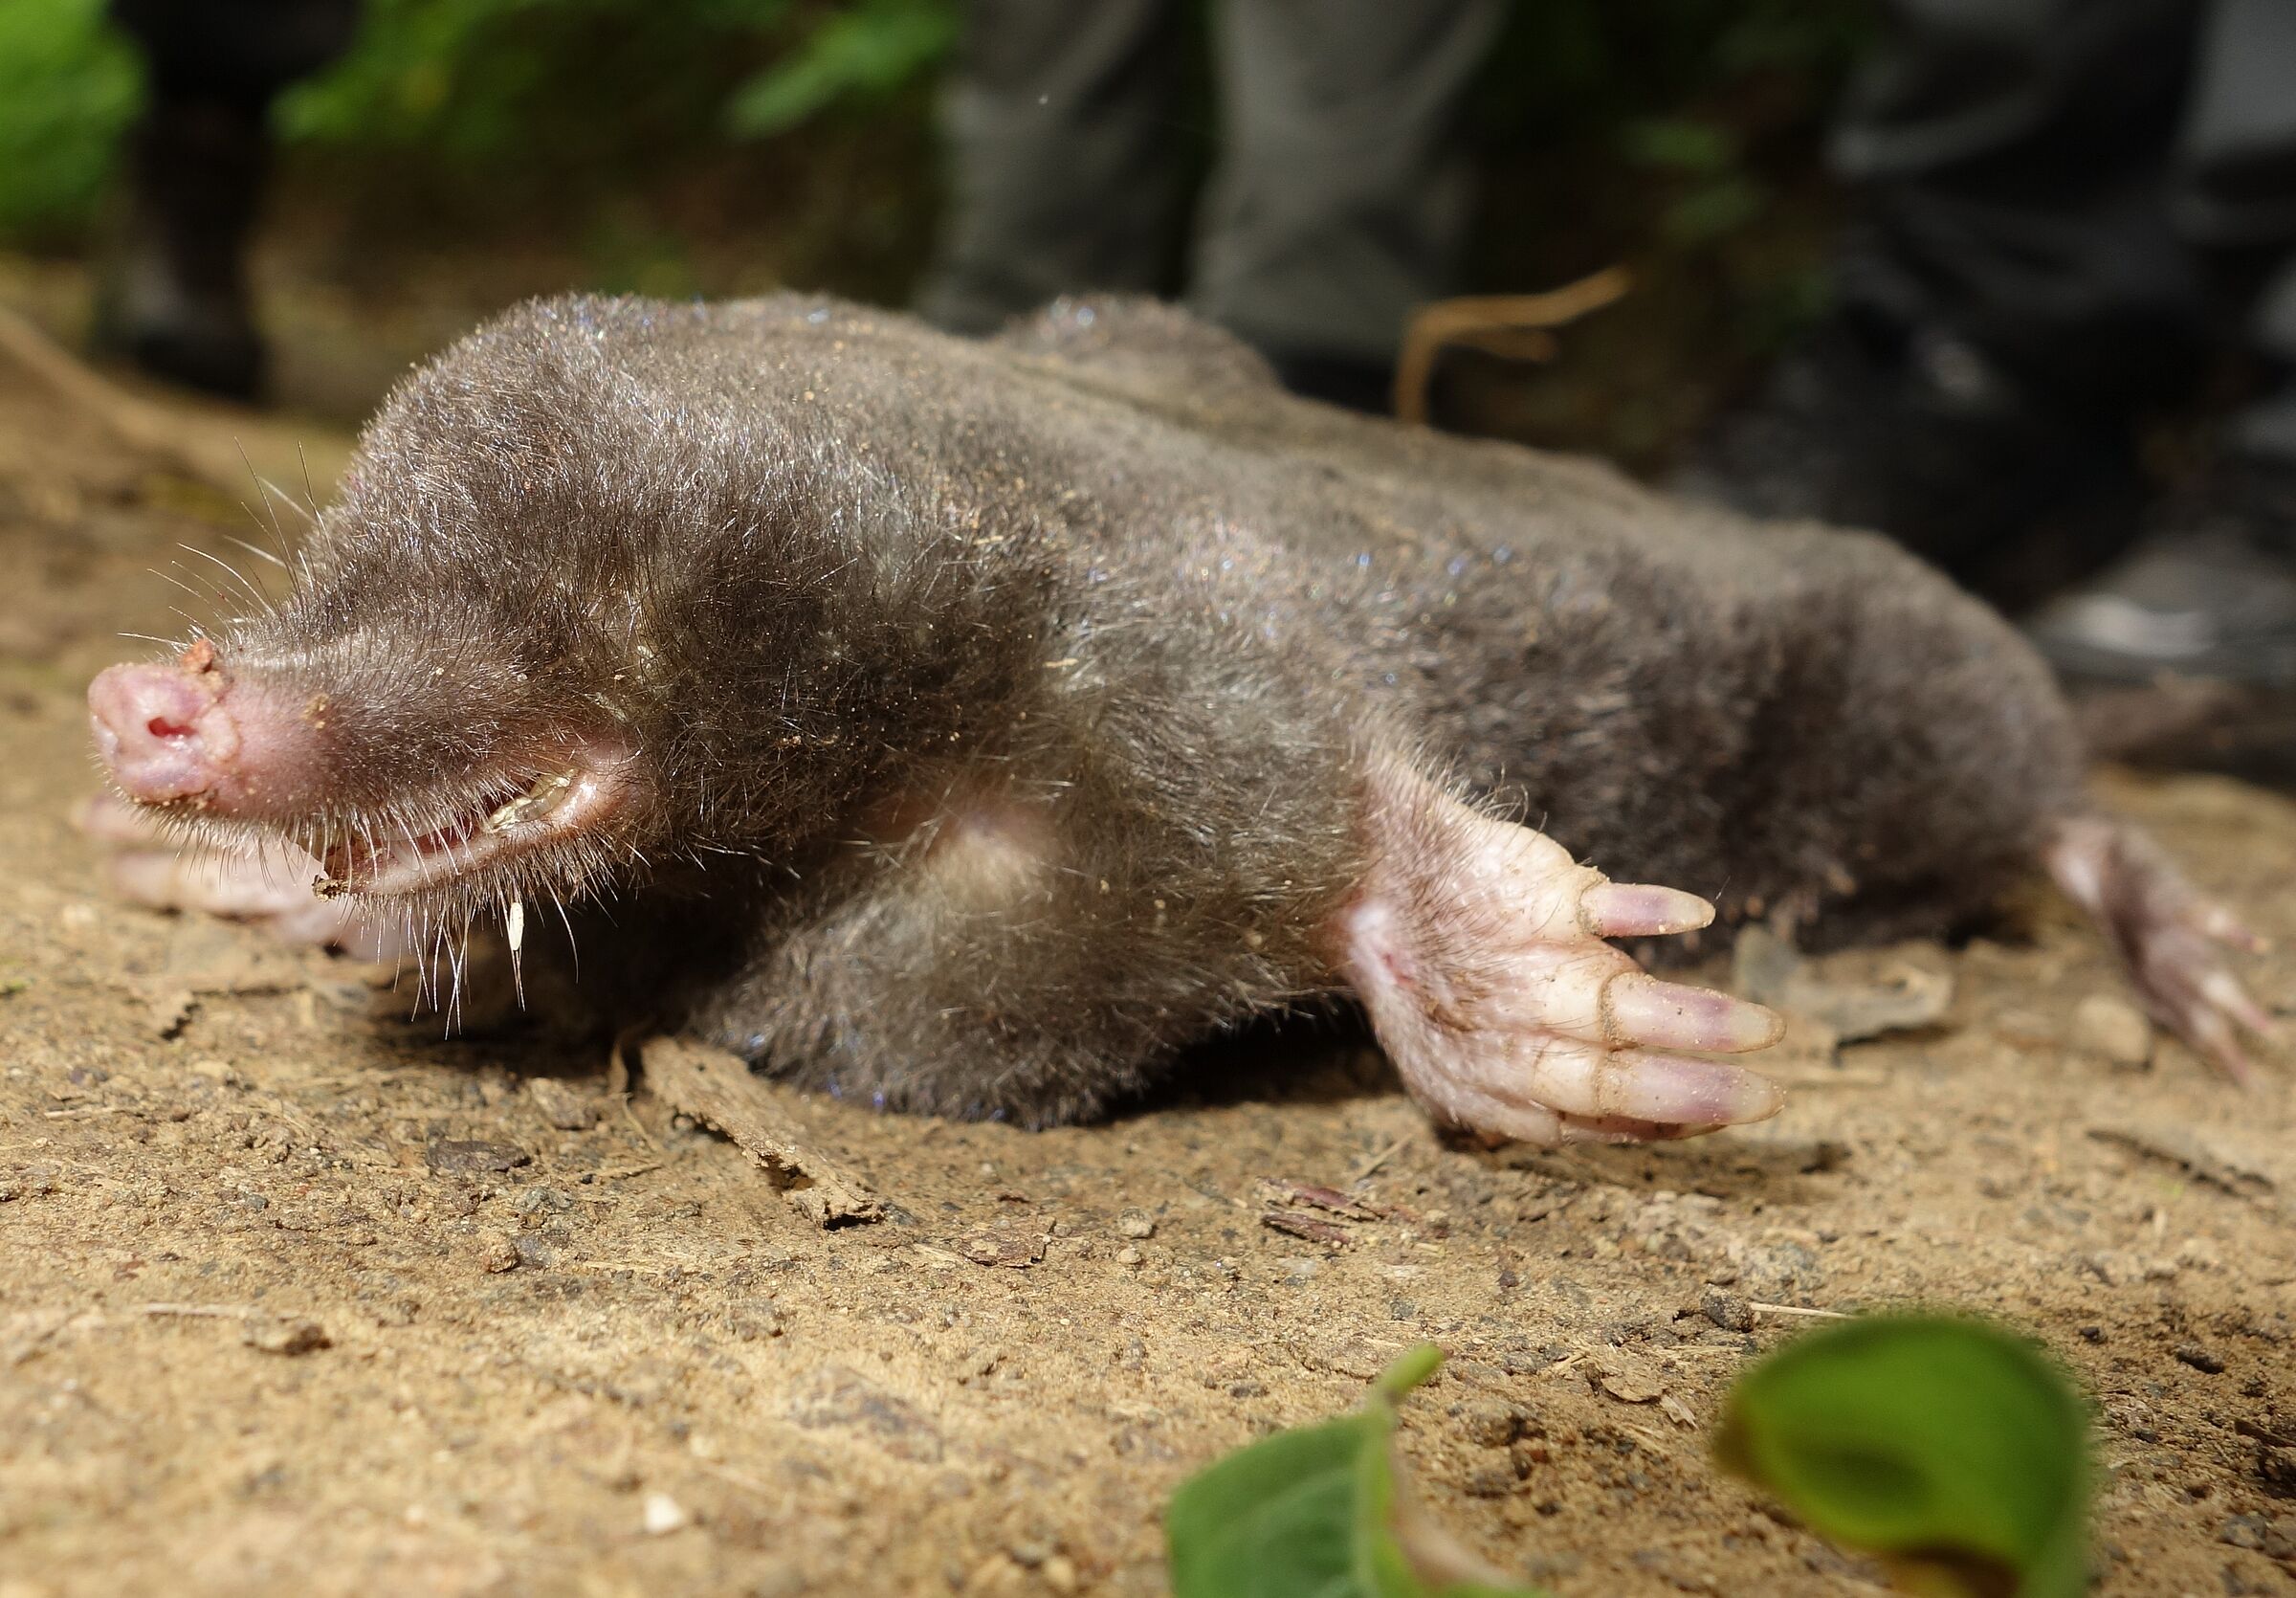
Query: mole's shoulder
1147	338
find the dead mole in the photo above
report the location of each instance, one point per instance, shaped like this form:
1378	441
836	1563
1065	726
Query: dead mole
971	726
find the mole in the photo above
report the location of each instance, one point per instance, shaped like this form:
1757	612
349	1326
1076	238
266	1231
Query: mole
970	727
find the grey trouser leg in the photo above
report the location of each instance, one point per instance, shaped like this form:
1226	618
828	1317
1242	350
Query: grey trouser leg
1058	115
1345	190
2241	142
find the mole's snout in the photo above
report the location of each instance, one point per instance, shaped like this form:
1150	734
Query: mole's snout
183	730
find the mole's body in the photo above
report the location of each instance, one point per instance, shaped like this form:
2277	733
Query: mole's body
973	725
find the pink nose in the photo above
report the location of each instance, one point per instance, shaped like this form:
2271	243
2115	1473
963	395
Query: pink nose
163	730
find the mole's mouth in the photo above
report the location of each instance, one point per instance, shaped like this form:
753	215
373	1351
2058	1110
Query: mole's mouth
512	821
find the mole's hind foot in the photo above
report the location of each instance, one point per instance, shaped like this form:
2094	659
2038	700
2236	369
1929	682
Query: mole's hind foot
268	887
1477	948
2169	935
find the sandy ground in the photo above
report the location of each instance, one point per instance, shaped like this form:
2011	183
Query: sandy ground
295	1298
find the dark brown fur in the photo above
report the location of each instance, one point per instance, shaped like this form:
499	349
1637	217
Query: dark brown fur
1006	706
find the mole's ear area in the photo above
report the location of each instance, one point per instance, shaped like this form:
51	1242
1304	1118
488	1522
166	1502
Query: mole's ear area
1477	948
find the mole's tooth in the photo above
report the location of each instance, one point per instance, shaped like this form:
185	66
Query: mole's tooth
541	796
514	923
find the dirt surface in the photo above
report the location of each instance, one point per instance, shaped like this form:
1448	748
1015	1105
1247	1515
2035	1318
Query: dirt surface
295	1298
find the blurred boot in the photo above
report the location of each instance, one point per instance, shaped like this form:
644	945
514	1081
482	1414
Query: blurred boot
2018	294
177	301
2210	589
2209	592
1909	428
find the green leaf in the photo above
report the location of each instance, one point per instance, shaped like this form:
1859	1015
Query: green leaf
1711	210
1312	1512
864	52
1956	1453
69	88
1682	144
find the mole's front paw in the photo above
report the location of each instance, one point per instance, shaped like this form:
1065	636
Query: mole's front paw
269	887
1477	946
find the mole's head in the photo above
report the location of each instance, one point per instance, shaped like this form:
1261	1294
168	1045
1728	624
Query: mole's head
587	599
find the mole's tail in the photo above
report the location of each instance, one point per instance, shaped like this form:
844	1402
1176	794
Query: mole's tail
2166	933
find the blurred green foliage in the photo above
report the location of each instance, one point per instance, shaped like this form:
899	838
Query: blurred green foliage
1955	1450
864	54
68	89
528	81
1316	1512
545	88
463	152
606	88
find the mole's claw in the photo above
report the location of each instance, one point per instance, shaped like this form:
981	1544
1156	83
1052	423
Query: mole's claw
232	885
1508	1013
1640	910
1618	1130
1640	1009
107	818
266	885
2213	1038
2230	930
2222	989
1661	1090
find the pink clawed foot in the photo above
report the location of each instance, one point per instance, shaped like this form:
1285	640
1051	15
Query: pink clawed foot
2169	937
268	887
1477	948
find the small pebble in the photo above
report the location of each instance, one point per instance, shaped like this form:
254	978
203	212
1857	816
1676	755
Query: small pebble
473	1156
2244	1531
1490	1423
560	1106
1491	1481
993	1246
499	1255
1129	1255
664	1514
2108	1024
27	1181
1135	1223
284	1335
2198	1358
1727	1310
756	1320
